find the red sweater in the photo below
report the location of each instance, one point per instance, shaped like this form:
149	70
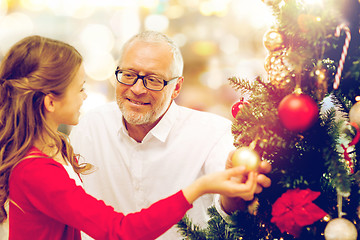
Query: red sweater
45	203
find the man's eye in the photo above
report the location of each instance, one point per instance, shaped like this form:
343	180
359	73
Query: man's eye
128	75
154	79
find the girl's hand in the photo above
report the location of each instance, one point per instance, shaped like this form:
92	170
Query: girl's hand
234	182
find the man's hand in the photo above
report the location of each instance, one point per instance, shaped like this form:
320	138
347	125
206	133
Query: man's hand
231	204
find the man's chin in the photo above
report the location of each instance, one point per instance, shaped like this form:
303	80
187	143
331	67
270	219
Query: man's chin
135	119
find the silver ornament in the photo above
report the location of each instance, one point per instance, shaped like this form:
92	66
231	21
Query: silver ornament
340	229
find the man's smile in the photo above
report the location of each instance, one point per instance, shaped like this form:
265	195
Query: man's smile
137	102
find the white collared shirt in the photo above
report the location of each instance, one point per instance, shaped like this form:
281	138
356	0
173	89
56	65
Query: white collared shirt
130	176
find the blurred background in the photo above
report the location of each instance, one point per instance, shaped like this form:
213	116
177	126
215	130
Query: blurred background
218	38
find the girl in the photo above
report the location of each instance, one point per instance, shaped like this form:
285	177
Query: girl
41	87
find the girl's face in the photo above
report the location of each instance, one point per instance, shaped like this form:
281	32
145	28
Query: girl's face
67	109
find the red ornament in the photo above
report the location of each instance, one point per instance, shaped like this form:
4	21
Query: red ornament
298	112
236	108
295	209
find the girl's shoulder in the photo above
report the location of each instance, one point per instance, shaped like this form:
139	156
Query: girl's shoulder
35	161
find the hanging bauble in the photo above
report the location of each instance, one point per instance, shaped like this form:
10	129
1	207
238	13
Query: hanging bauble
318	76
280	73
273	40
354	113
236	108
269	60
340	229
298	112
282	80
246	156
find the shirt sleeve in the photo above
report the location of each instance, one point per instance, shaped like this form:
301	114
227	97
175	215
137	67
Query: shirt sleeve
80	140
216	161
219	153
46	185
222	213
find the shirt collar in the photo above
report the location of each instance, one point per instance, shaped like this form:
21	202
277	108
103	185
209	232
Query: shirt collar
162	129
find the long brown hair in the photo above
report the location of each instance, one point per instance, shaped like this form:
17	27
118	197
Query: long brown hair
32	68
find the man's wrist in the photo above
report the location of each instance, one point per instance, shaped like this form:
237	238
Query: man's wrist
219	208
230	205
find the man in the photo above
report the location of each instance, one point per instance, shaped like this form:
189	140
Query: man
146	147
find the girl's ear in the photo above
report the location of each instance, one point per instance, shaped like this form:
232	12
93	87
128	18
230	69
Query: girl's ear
49	103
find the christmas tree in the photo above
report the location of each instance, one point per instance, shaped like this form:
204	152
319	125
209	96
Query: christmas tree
304	119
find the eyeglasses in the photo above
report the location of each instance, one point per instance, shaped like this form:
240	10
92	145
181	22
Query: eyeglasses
151	82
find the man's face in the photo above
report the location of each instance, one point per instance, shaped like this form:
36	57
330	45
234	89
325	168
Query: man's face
138	104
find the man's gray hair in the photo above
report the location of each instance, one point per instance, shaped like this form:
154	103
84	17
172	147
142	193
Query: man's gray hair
177	65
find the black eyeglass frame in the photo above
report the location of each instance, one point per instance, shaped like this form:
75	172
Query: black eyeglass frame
117	71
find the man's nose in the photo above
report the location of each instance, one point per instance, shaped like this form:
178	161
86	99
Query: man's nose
138	87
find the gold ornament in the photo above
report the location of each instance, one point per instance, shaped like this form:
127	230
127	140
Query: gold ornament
273	40
280	74
246	156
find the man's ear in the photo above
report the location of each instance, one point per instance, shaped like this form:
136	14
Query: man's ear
49	103
177	88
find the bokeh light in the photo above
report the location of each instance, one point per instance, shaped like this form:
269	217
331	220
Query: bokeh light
256	13
93	100
130	15
180	39
156	22
99	65
204	48
218	38
149	3
34	5
97	36
14	27
66	7
214	7
229	44
3	8
175	11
